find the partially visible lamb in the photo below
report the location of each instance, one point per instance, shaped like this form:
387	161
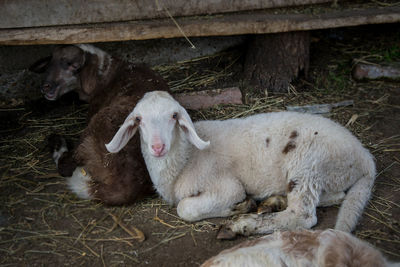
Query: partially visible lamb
328	248
112	87
310	158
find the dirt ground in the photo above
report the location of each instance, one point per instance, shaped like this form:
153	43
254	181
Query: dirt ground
43	224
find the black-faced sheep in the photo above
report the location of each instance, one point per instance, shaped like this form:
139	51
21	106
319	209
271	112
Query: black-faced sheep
311	159
112	87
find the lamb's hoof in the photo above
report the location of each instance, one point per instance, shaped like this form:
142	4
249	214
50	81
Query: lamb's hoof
272	204
264	209
225	233
66	165
56	142
248	205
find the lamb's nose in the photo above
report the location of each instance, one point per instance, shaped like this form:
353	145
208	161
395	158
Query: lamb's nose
46	87
158	148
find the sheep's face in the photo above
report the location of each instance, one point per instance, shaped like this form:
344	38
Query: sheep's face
160	120
157	126
61	70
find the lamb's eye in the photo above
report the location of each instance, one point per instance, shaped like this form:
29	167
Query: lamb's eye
175	116
138	119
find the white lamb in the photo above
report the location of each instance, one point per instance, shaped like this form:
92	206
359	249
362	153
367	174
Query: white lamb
311	159
328	248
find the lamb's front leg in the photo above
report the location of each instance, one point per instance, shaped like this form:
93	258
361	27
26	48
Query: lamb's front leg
300	213
219	200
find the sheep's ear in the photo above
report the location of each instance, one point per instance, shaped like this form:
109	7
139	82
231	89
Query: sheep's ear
89	68
41	65
187	125
122	137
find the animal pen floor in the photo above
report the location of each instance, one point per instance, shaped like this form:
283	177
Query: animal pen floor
42	223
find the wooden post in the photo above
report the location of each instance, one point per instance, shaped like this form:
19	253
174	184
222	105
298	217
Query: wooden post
274	60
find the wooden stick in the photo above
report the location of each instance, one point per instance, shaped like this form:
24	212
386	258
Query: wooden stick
209	98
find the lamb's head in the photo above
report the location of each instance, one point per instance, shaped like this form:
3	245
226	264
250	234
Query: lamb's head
71	67
158	117
61	70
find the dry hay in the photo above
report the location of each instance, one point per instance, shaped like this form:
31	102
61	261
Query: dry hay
43	220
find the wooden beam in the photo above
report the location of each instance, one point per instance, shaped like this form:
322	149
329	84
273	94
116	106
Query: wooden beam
42	13
260	22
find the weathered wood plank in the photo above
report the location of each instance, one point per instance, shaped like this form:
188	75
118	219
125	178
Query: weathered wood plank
15	14
208	98
228	24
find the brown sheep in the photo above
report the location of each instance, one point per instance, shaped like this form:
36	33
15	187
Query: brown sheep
112	87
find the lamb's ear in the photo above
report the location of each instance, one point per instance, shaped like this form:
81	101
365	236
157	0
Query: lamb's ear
41	65
187	126
89	73
122	137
